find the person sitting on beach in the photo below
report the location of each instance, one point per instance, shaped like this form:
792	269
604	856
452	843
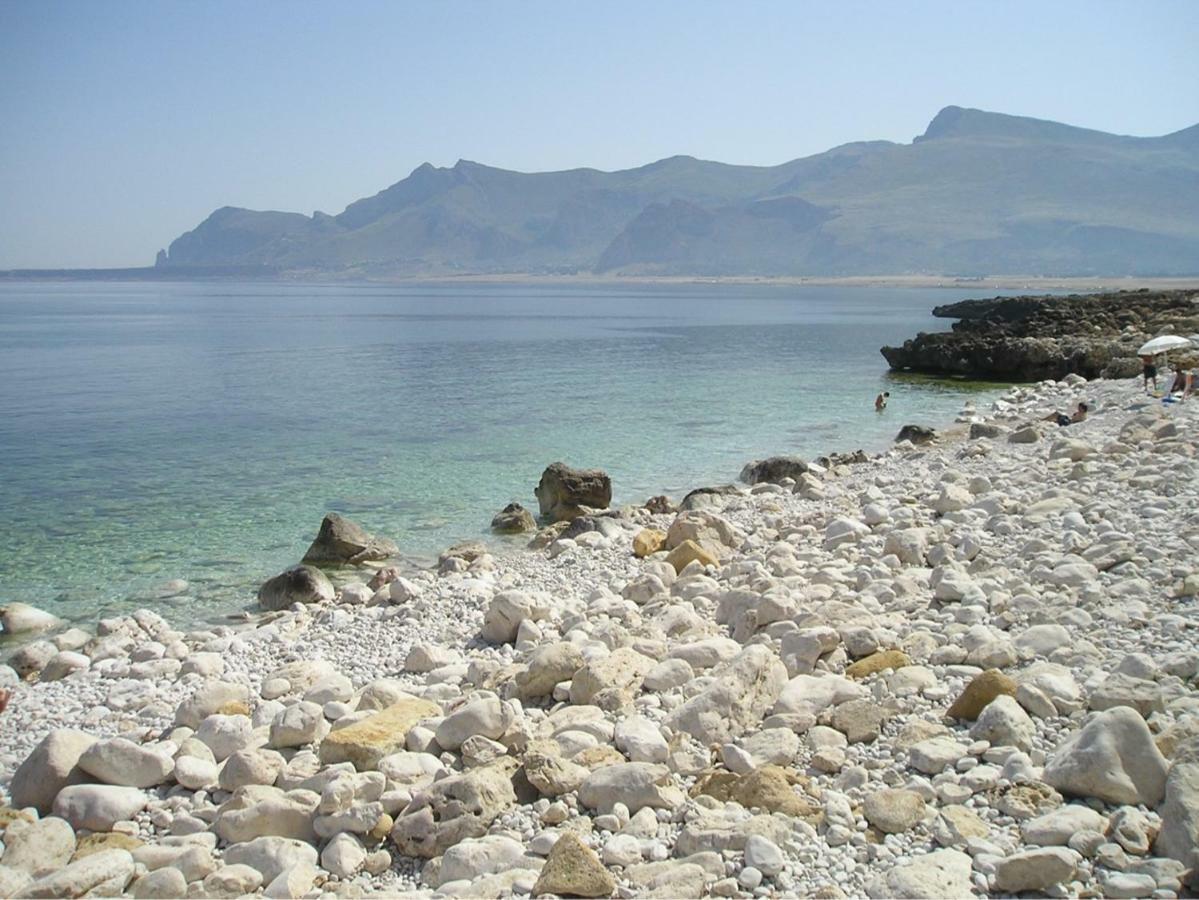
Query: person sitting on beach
1180	382
1062	419
1149	372
880	402
1191	376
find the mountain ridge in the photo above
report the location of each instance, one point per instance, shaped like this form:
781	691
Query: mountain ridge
977	193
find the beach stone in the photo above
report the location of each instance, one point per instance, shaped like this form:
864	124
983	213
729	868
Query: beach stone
641	740
62	664
342	542
112	840
292	883
1004	723
1118	885
934	755
1036	870
1112	758
878	662
573	870
764	855
670	673
667	879
299	724
956	825
194	773
635	784
299	584
257	766
744	690
476	857
549	772
1118	689
613	679
276	814
563	492
38	847
118	761
648	541
51	766
707	529
13	882
267	856
940	875
771	746
368	741
1041	640
894	810
505	613
979	693
513	519
164	883
31	658
344	855
488	716
455	808
102	874
771	788
909	545
859	720
21	618
916	434
97	807
1179	835
548	665
688	552
225	735
213	698
1055	828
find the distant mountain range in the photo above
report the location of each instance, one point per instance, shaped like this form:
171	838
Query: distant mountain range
978	193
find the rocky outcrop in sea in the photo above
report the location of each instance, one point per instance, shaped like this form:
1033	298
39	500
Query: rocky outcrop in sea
965	667
1034	338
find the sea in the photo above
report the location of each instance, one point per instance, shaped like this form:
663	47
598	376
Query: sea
155	432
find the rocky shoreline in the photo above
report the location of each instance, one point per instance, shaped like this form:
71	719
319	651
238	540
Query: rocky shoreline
964	667
1032	338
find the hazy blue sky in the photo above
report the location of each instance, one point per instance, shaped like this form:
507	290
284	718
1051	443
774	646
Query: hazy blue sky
123	124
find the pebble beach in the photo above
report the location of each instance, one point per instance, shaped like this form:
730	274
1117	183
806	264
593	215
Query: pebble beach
963	667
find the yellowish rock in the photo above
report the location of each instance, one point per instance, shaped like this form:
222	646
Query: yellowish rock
573	870
365	743
94	843
878	662
648	541
981	691
771	788
688	551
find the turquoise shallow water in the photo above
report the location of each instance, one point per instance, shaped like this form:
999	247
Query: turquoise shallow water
200	431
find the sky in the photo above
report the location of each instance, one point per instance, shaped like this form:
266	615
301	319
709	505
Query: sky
124	124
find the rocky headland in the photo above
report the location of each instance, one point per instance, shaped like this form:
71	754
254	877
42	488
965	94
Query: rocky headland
1034	338
965	667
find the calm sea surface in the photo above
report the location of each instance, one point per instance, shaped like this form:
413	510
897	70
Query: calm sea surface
150	432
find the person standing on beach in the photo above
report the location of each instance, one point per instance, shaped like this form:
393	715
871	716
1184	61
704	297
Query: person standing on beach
1149	372
880	402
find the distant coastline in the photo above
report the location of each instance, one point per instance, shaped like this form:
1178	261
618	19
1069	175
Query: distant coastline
1088	283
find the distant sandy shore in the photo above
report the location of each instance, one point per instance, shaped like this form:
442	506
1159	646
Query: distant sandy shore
1033	283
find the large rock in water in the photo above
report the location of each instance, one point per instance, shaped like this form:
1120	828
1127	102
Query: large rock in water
917	434
299	584
563	491
773	469
341	542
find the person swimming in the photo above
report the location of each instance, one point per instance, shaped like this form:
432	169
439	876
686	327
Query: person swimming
880	402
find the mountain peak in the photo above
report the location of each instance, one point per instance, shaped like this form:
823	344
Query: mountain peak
964	122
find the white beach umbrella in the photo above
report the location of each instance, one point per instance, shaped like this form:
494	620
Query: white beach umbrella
1162	344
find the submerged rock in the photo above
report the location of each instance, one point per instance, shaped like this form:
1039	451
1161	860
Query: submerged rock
513	519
